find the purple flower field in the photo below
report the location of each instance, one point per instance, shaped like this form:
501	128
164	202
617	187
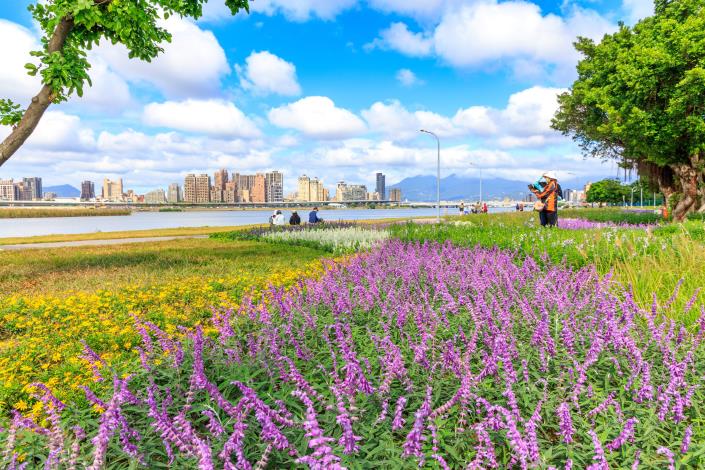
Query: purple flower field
583	224
412	354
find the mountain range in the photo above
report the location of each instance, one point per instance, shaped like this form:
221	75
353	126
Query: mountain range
455	187
64	190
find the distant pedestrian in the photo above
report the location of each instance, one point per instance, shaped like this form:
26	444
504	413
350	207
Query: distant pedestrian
546	191
313	217
279	219
462	208
295	219
484	208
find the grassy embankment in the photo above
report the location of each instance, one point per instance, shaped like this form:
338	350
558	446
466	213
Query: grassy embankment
31	213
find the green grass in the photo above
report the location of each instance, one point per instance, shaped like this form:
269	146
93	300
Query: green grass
29	213
87	269
652	262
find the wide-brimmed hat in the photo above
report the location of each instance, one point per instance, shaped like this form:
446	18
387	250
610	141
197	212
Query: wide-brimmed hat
550	175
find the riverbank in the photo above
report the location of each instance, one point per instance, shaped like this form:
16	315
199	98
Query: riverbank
44	212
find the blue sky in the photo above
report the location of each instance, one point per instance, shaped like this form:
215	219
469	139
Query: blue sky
330	88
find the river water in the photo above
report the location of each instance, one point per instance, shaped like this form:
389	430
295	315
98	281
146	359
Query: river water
157	220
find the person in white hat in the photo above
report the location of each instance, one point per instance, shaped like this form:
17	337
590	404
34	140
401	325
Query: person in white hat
546	191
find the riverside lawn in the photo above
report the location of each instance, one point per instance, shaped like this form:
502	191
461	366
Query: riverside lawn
412	354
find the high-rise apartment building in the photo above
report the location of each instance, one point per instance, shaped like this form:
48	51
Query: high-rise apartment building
350	192
395	195
112	190
7	190
87	190
23	191
155	197
174	194
274	187
230	193
304	189
311	190
220	179
35	187
217	195
197	188
381	186
244	184
258	193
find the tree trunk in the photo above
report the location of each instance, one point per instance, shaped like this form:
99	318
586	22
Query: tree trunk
688	178
30	119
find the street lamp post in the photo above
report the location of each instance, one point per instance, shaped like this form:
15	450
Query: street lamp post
438	175
480	169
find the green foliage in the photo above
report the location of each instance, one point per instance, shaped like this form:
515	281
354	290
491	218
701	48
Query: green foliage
10	113
609	191
639	95
134	24
615	215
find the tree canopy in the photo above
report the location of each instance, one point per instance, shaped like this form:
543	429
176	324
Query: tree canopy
607	191
640	98
72	27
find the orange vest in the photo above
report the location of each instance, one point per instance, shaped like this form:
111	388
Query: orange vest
548	196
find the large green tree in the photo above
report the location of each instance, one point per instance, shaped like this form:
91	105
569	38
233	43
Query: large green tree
607	191
640	98
70	28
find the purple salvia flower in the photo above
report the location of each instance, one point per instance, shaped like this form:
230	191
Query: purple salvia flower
599	457
627	435
686	439
214	426
398	421
323	457
565	422
412	445
666	452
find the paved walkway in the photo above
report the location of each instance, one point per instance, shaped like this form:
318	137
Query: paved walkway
112	241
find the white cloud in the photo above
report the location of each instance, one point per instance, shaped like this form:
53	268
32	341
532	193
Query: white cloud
59	131
398	37
17	43
530	111
317	117
395	122
637	9
265	73
486	32
408	78
192	65
212	117
476	120
301	10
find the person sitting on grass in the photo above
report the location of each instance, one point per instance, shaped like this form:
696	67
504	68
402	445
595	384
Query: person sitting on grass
279	219
294	219
546	191
313	217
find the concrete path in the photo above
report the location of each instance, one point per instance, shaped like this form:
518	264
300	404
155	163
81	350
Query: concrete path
112	241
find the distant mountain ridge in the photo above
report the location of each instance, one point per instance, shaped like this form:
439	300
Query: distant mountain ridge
454	187
63	190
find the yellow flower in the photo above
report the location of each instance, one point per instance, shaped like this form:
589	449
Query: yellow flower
21	405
